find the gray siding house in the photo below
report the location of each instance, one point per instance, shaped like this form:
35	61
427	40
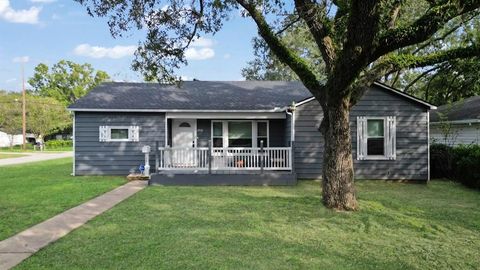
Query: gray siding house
240	133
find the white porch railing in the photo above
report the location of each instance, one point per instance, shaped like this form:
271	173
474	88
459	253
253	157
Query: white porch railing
231	158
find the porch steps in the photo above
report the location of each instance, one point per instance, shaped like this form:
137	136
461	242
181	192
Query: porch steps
224	179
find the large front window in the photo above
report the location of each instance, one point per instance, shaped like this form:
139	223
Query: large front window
240	134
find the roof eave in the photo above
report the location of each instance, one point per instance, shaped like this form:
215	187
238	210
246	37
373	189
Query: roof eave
457	122
172	110
396	91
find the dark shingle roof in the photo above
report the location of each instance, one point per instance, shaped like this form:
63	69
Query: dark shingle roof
193	95
467	109
203	95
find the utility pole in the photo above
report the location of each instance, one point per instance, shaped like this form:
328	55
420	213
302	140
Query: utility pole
24	113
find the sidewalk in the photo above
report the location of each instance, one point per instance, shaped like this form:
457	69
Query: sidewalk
17	248
33	157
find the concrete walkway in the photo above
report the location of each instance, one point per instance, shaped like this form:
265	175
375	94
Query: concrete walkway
21	246
33	157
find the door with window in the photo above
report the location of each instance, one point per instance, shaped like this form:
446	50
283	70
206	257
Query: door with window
184	140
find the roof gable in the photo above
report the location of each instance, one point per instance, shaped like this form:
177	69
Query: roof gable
389	90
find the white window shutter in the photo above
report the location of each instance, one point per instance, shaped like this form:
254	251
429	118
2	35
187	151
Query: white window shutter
102	133
391	152
361	138
134	135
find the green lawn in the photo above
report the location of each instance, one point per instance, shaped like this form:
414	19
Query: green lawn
29	148
32	193
400	226
3	155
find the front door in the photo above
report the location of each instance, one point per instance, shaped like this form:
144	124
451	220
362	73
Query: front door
183	140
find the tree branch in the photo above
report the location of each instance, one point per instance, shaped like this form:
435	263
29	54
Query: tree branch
288	25
319	25
404	61
362	28
424	27
447	33
286	55
423	74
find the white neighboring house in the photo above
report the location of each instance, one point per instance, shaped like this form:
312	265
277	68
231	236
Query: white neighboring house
6	140
456	123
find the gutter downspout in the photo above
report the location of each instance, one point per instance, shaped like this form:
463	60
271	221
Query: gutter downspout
292	114
291	111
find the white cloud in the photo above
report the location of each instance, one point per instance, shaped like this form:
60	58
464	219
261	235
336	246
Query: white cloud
227	56
202	42
200	49
11	80
9	14
21	59
104	52
43	1
199	54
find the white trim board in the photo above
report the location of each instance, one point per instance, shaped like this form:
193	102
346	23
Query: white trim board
277	110
457	122
227	115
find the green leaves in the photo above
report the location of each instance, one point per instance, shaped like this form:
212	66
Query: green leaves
66	81
45	115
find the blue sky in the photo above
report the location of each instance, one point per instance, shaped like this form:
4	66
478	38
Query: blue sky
46	31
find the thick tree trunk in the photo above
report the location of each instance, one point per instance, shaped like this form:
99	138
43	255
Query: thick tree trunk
338	176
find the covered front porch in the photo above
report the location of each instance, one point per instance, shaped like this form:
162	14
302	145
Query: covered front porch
226	149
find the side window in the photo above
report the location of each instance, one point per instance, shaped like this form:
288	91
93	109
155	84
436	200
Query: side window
119	134
376	138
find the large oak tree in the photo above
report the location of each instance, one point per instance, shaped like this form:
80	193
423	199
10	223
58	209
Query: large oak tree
359	41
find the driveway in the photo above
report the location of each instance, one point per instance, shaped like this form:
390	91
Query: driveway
34	157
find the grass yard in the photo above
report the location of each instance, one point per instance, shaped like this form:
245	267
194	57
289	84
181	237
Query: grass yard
18	149
34	192
3	155
400	226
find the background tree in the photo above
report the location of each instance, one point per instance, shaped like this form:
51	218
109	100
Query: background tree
439	84
267	67
66	81
447	81
359	42
46	115
10	114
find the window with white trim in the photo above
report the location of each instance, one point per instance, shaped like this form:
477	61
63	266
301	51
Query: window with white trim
376	138
118	134
240	133
262	133
217	134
